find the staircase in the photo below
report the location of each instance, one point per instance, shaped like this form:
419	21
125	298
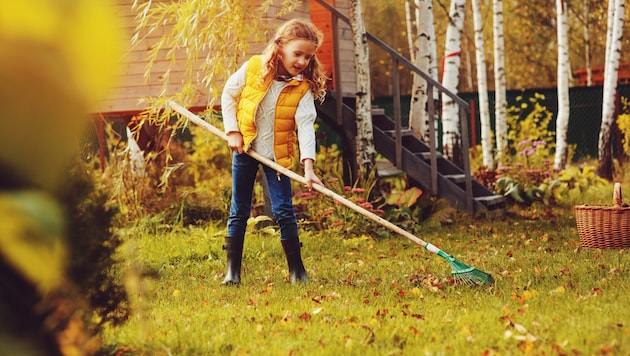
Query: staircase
422	163
416	161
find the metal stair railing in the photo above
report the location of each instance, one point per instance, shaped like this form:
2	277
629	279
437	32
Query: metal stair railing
398	59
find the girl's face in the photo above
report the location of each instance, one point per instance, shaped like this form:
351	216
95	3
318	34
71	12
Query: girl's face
295	56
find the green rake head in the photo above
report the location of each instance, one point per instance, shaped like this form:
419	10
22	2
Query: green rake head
464	274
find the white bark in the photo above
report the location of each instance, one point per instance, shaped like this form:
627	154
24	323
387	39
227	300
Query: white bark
451	134
614	36
425	61
500	101
587	45
609	34
482	87
562	120
365	139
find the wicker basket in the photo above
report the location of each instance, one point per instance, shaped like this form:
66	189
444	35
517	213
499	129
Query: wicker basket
604	226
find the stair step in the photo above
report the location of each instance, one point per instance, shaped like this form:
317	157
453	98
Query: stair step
417	166
490	200
385	168
456	178
404	132
426	155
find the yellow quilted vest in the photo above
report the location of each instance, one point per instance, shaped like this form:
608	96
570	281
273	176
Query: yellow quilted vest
284	124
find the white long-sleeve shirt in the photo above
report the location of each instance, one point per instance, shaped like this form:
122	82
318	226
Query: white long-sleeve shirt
305	116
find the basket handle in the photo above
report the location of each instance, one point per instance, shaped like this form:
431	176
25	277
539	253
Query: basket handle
617	199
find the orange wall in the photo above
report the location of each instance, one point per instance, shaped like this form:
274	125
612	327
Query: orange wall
323	20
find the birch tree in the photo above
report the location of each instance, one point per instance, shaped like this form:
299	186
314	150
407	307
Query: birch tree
562	120
409	21
587	44
365	138
425	60
482	87
500	101
451	134
616	11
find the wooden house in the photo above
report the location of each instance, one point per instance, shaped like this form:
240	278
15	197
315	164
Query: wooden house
124	100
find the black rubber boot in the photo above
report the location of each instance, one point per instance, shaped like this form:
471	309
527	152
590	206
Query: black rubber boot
297	273
234	249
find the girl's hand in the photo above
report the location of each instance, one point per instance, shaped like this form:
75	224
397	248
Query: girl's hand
311	179
309	175
235	141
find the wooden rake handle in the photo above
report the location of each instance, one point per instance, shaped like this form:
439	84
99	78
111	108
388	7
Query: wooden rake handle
298	178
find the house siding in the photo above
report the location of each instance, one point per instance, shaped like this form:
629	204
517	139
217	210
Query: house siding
133	86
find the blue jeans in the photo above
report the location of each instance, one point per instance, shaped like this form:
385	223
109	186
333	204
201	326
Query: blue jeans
244	169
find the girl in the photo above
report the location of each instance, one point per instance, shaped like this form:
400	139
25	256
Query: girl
263	104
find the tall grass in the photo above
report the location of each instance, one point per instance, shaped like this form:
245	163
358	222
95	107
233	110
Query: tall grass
378	295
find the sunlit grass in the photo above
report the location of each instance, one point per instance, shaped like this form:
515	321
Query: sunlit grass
375	296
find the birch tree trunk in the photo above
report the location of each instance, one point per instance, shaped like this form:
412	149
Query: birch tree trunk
365	139
451	135
425	61
500	101
562	121
433	69
616	11
587	45
482	87
409	19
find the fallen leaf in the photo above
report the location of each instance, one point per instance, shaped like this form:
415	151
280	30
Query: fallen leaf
382	312
520	328
559	290
370	337
305	316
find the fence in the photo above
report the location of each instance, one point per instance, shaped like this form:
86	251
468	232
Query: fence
584	120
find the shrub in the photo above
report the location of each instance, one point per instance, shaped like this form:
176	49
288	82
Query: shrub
527	174
92	246
623	121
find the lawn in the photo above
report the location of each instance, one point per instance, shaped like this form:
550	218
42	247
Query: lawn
378	295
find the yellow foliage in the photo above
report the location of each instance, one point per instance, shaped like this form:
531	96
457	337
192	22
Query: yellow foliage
623	121
30	237
86	35
57	59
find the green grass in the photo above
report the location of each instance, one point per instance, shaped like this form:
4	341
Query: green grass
379	296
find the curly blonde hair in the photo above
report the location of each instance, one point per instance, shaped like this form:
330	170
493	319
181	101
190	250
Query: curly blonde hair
289	31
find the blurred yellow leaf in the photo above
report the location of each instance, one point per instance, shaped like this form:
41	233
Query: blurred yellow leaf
31	231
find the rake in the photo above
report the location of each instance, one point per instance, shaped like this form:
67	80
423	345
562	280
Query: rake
462	273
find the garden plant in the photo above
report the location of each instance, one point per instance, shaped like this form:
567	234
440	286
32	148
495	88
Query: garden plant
371	292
